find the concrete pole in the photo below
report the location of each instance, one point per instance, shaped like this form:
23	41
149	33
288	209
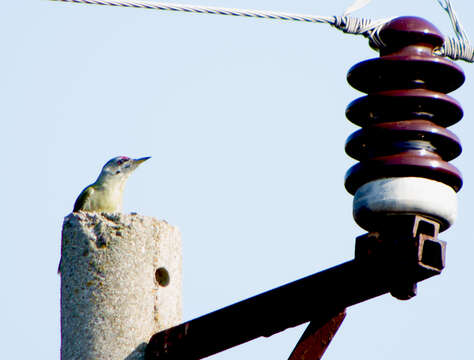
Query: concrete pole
120	284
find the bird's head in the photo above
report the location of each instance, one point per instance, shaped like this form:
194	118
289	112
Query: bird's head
121	167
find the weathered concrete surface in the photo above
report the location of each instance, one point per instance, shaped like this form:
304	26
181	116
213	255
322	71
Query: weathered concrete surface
111	302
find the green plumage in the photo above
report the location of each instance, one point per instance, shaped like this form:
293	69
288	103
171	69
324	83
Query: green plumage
82	198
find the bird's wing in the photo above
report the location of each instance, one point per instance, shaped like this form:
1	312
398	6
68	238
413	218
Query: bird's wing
82	198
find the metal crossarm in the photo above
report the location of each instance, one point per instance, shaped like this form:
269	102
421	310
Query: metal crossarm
383	263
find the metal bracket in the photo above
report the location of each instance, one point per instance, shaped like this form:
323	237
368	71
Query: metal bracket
316	338
410	245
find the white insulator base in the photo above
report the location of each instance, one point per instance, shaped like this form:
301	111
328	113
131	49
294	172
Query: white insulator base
380	198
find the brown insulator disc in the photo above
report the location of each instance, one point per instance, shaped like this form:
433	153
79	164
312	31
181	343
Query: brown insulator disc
397	137
413	163
395	105
406	72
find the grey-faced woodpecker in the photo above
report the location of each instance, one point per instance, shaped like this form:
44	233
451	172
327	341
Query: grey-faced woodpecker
106	194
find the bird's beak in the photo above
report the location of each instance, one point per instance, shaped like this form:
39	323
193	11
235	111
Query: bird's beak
139	161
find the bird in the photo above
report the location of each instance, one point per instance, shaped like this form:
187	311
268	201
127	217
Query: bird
106	193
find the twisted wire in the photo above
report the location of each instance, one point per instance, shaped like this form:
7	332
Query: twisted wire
144	4
457	48
347	24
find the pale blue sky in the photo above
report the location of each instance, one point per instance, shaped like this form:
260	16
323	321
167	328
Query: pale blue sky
244	119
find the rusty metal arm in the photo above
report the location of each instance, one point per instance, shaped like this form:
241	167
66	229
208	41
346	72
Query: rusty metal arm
317	337
407	254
